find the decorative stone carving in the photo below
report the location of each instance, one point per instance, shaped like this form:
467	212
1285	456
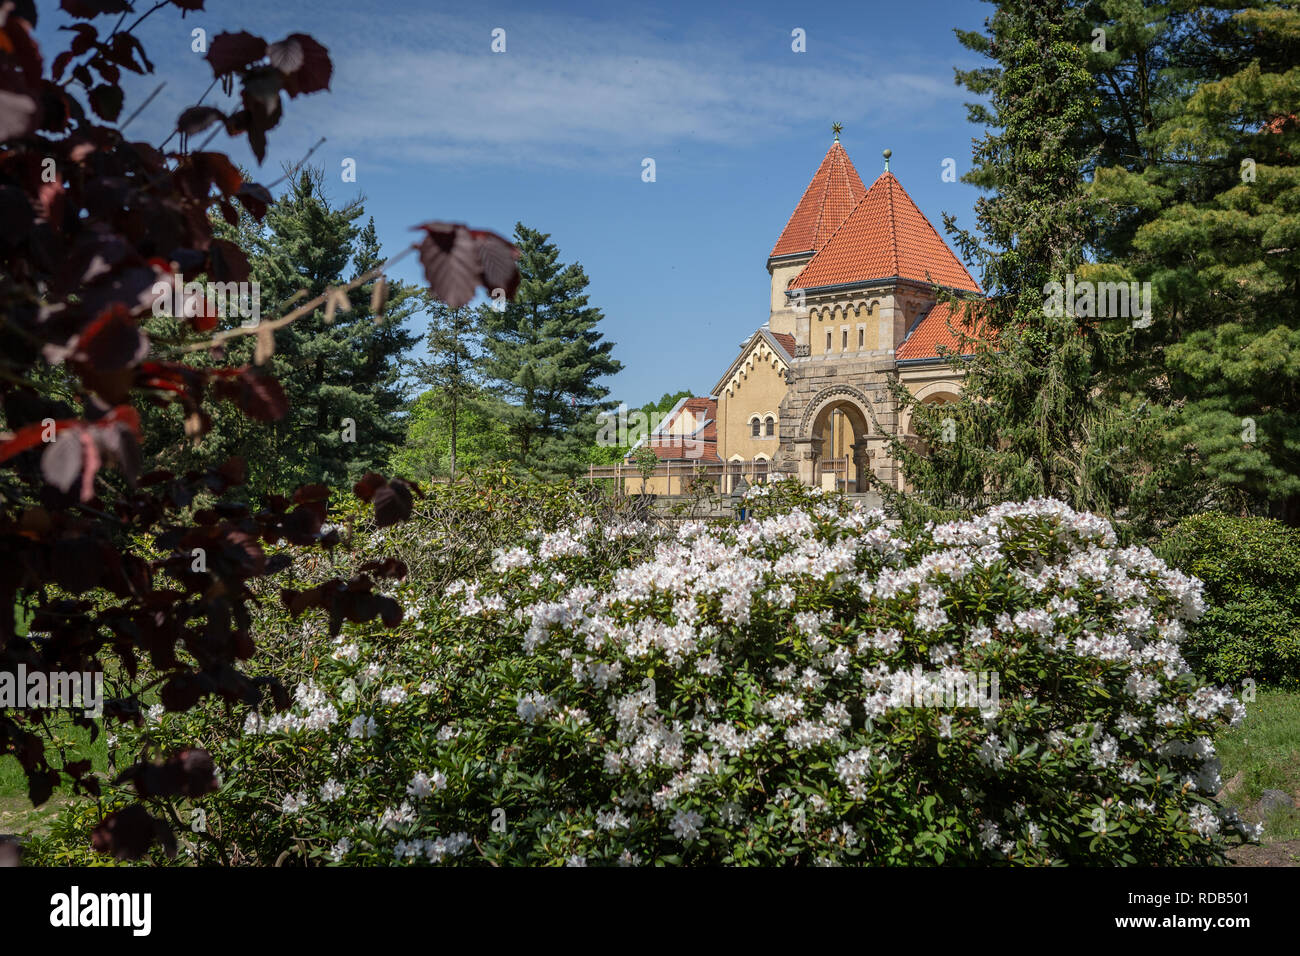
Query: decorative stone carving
829	394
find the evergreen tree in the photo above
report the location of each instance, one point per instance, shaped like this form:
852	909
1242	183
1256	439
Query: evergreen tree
165	442
543	358
1144	56
338	365
1213	222
1033	418
378	342
454	352
342	377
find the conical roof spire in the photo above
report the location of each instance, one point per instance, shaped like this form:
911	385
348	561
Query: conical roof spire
835	189
883	236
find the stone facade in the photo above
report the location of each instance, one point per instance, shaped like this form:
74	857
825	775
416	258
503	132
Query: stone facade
856	283
836	404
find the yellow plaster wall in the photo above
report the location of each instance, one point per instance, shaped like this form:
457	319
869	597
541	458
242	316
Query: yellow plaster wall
686	423
757	390
837	319
675	484
782	318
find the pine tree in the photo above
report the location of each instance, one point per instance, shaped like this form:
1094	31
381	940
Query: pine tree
378	342
339	366
543	358
453	344
1213	222
1144	55
1033	418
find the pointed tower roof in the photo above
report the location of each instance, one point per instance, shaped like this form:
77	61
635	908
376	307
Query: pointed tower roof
835	189
885	235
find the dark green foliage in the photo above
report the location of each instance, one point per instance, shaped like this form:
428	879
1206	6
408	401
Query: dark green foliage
1251	569
1032	419
342	377
544	359
333	371
1213	222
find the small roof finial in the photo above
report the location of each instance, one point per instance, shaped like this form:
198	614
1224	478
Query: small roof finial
887	153
836	128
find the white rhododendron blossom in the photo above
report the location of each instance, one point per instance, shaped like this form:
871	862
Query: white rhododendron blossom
812	685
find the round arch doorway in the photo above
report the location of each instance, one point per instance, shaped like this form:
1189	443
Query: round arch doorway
835	432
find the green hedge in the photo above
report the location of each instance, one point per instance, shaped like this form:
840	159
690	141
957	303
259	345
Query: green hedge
1251	570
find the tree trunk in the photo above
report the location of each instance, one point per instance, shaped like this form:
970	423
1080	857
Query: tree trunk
454	403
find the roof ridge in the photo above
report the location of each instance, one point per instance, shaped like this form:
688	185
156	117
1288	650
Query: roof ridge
758	334
893	220
935	232
794	212
937	327
834	262
837	229
839	180
826	189
925	313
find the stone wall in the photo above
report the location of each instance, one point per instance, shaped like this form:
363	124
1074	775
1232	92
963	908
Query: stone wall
678	508
859	385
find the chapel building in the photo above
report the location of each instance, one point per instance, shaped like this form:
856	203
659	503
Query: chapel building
854	276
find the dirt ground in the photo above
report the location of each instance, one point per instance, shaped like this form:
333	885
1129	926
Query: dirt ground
17	815
1281	853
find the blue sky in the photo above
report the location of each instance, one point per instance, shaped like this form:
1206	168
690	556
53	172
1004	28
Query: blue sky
553	132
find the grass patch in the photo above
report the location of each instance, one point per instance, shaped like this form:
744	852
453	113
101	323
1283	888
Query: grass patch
1265	751
17	815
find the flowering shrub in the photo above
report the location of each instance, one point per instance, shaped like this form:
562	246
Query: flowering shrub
793	689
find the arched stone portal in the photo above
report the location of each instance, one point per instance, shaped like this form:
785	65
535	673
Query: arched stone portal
832	442
931	395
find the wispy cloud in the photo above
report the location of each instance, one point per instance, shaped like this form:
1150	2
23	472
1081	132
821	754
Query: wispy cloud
571	90
578	92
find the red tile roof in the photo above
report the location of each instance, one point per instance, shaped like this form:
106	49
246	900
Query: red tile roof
686	451
934	330
704	410
1279	123
885	235
835	189
787	342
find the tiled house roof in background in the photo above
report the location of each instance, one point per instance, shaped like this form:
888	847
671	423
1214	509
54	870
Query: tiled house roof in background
835	189
885	235
701	446
1279	123
933	331
703	410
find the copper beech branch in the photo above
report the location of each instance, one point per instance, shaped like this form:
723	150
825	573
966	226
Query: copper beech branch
266	328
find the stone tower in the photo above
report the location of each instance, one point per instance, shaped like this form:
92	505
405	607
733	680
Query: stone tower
853	274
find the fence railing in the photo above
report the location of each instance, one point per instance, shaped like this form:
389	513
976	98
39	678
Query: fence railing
679	478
